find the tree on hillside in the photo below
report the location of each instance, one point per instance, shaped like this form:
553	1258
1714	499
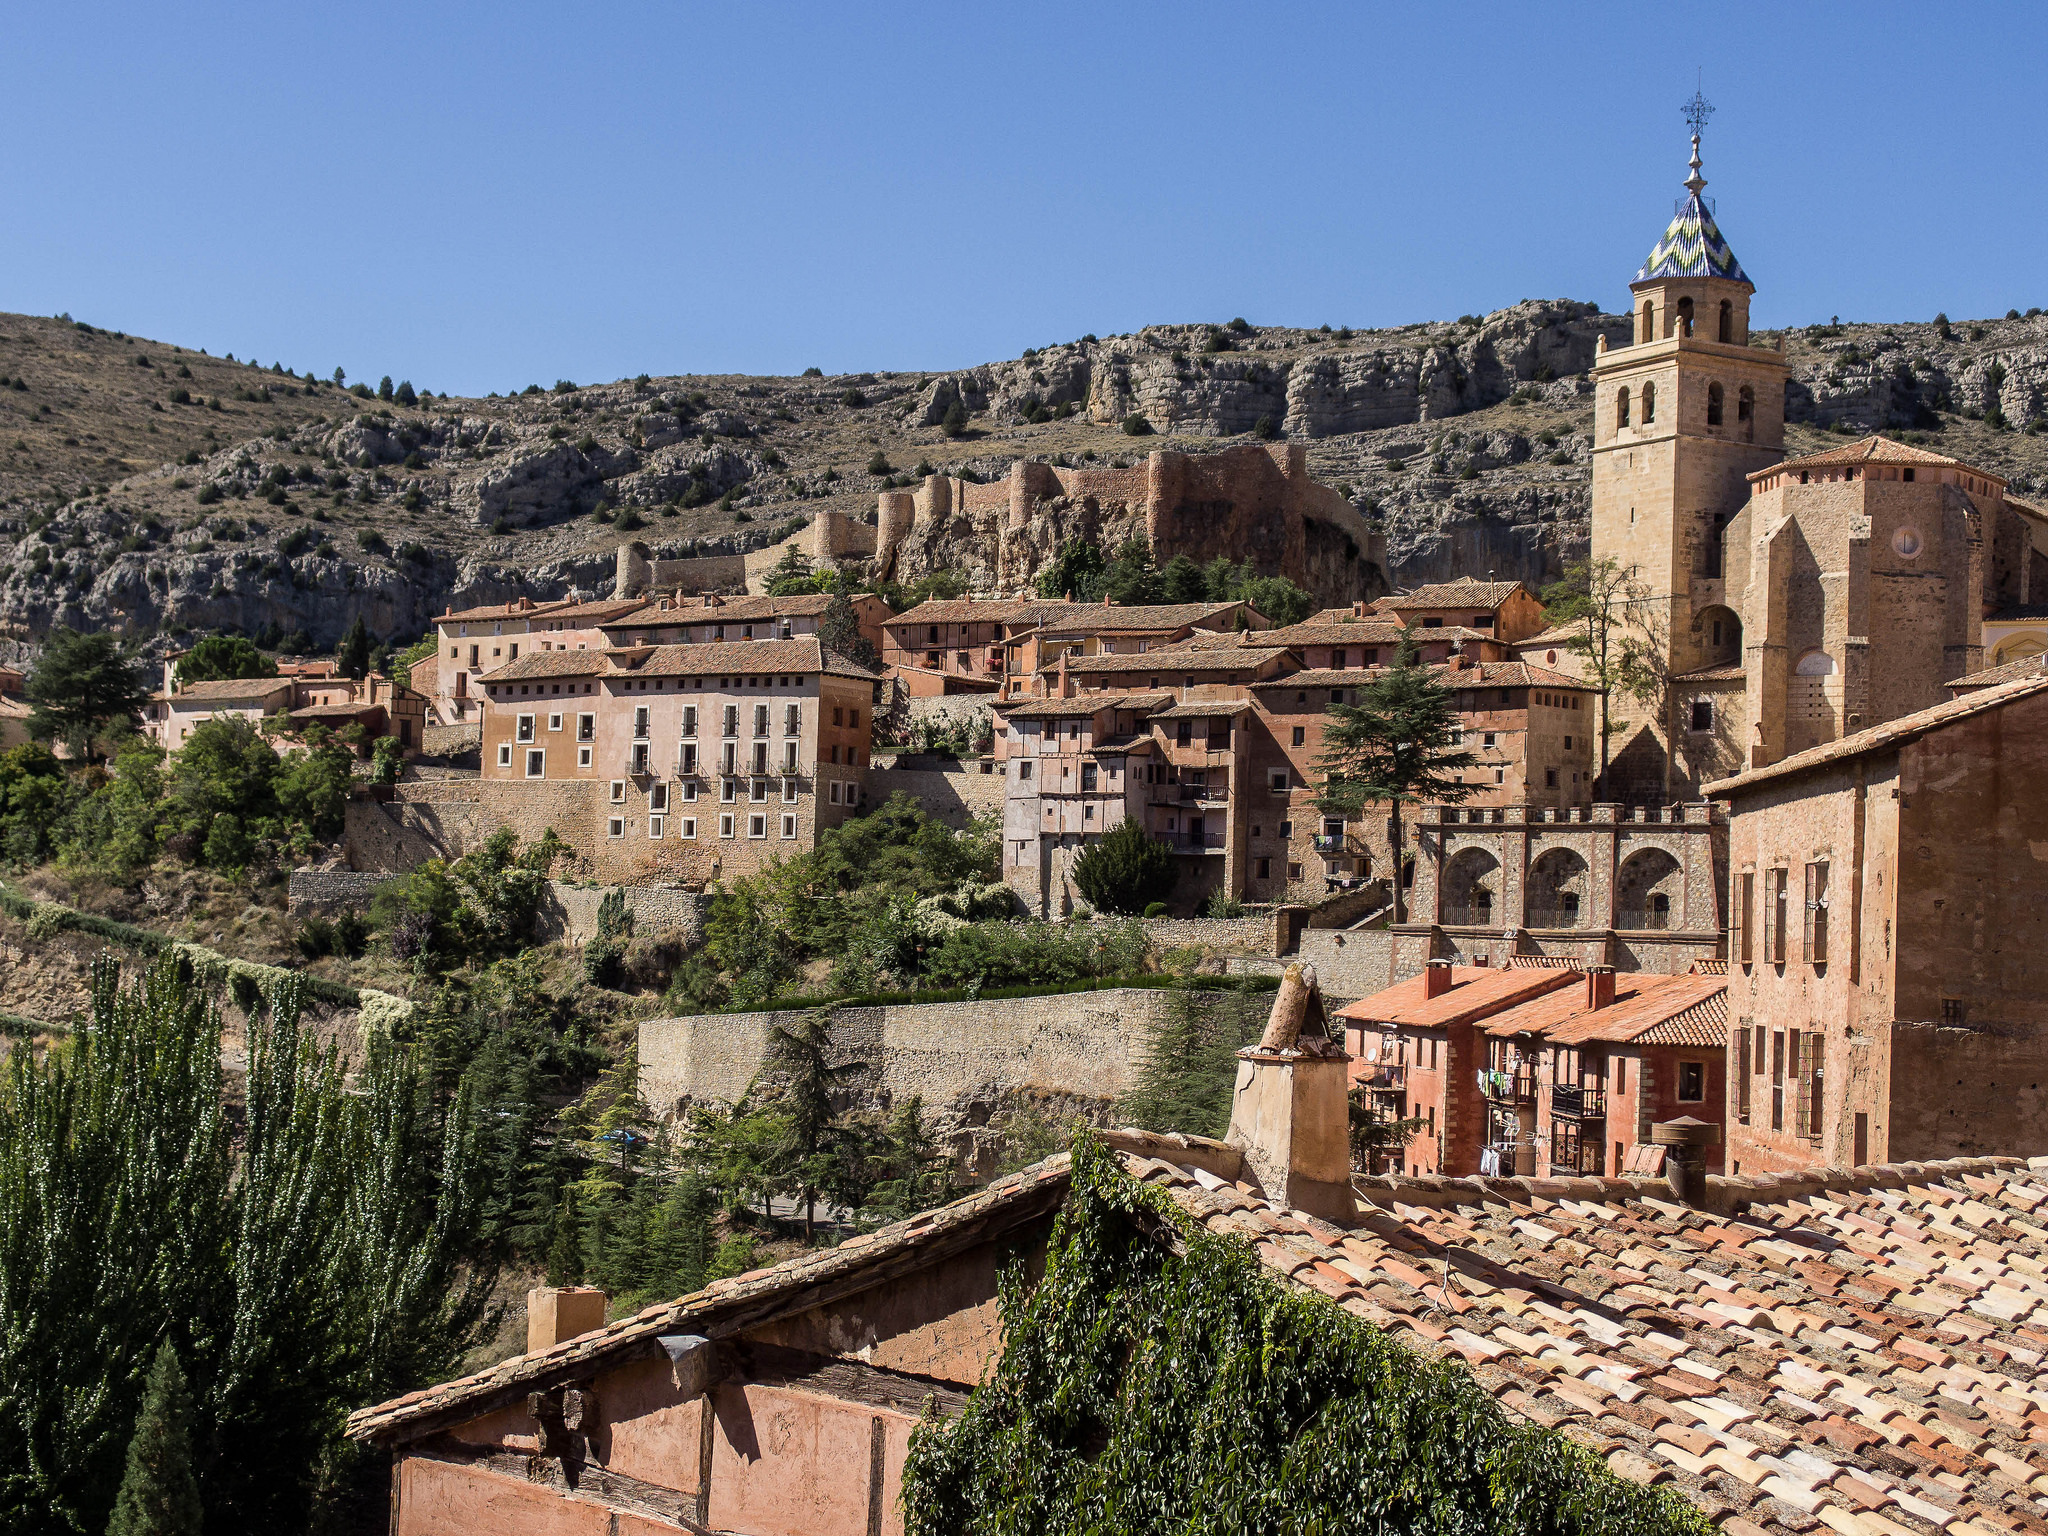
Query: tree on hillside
1076	571
79	687
1398	745
791	575
1126	870
1617	623
353	654
800	1062
839	627
1274	597
401	663
159	1494
1183	582
1190	1064
1131	578
222	656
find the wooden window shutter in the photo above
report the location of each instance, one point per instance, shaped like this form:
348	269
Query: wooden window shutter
1770	915
1745	889
1817	913
1808	908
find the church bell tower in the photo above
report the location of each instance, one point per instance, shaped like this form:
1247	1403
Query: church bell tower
1681	415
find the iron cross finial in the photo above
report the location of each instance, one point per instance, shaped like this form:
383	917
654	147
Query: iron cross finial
1697	111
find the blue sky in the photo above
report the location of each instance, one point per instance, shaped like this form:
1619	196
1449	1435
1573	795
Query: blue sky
479	197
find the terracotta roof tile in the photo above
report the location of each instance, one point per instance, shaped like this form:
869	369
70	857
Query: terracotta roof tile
222	690
2012	672
1475	992
728	610
1873	450
803	654
1892	733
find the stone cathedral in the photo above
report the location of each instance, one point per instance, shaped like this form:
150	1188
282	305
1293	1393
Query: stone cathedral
1782	603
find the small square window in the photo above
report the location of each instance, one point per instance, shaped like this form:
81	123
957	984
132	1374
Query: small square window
654	824
583	757
618	791
1300	736
1277	779
789	791
524	731
536	764
1294	871
505	755
757	826
1486	738
690	791
725	826
788	825
657	797
1692	1082
554	722
690	827
616	827
832	792
1702	714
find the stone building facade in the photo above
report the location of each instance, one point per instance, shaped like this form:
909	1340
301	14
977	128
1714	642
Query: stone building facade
691	762
479	640
1888	959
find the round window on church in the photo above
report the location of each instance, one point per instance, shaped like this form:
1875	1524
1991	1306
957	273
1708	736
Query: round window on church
1906	543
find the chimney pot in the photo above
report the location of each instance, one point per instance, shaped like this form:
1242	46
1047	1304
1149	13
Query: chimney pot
1599	986
1436	978
1685	1142
555	1314
1290	1112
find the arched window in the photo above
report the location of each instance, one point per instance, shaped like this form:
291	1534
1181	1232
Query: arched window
1713	405
1649	321
1727	331
1745	404
1685	317
1649	403
1621	409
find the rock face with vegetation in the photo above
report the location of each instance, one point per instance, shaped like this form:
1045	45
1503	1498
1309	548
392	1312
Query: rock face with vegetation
159	490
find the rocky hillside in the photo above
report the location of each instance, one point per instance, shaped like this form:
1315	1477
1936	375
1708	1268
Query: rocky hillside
162	490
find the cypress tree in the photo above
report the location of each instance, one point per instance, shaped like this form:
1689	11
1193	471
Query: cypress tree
565	1251
159	1495
354	650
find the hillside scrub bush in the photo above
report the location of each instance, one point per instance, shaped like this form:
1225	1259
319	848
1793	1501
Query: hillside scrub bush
1149	1386
1135	425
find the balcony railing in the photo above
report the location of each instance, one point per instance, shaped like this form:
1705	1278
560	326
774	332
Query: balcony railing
1390	1077
1516	1087
1201	842
1475	916
1578	1101
1326	843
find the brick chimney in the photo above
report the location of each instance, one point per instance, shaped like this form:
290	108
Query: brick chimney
554	1314
524	604
1290	1113
1599	986
1685	1142
1436	978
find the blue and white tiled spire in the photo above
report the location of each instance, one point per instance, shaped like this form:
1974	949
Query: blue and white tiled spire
1692	245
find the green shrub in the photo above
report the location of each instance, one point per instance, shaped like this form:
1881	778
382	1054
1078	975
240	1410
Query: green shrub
1158	909
955	422
1266	428
1135	425
853	399
208	494
1126	870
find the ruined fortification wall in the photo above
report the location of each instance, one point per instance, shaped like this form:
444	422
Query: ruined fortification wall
1251	501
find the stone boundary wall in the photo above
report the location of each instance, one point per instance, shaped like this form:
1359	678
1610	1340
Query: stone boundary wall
1251	935
953	796
327	891
570	915
1350	962
965	1059
451	740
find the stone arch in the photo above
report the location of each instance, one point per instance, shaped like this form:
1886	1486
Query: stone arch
2018	648
1745	412
1621	408
1684	317
1714	396
1471	893
1560	890
1649	892
1649	404
1727	330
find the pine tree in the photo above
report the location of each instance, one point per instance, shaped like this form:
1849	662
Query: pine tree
81	685
565	1249
797	1055
1126	871
354	651
1398	745
159	1494
1184	581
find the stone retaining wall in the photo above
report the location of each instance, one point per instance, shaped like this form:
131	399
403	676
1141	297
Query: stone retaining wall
1350	962
965	1059
954	796
570	915
327	891
1247	935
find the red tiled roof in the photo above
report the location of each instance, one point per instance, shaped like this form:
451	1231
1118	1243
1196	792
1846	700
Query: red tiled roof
1313	632
511	610
732	610
1219	658
1854	1353
1690	1010
1873	450
231	690
1082	705
1891	734
1465	592
1992	677
804	653
1476	991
